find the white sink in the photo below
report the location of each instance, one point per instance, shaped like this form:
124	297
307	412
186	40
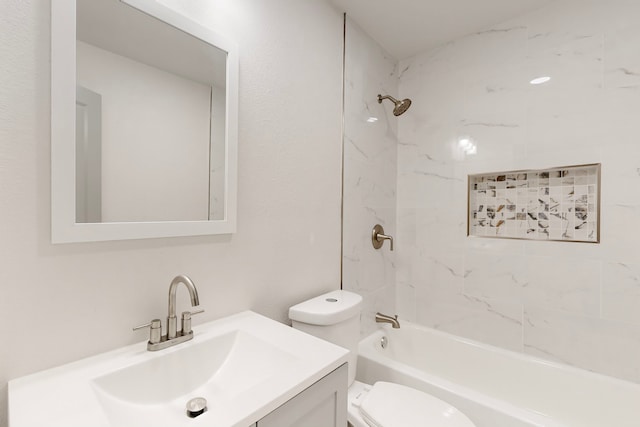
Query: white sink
245	366
219	369
222	367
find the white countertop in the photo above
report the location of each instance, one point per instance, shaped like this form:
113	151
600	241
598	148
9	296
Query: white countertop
67	396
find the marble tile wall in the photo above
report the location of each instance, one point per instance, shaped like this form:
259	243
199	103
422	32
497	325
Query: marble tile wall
370	168
577	303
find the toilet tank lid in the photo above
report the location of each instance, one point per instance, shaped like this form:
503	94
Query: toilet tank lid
327	309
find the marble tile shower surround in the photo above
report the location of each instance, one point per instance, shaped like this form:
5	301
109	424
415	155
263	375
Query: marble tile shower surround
559	204
568	302
370	147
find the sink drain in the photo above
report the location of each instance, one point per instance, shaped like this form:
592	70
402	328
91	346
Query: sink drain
196	406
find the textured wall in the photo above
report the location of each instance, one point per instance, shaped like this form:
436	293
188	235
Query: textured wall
369	173
576	303
59	303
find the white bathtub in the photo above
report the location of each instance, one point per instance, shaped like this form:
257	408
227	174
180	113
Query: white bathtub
496	387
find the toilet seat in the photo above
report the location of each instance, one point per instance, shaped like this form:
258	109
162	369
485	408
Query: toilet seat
393	405
335	317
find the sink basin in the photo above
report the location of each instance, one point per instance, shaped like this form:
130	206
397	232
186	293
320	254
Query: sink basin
221	367
245	366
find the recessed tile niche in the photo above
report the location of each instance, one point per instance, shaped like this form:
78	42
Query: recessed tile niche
561	204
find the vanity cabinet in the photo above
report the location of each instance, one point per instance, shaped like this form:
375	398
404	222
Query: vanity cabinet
324	404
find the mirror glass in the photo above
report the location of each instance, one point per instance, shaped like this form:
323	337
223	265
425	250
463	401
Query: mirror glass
152	138
150	119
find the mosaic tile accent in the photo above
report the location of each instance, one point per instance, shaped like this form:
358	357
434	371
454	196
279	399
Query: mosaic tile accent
560	204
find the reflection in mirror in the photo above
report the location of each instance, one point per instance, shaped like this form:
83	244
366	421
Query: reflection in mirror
144	123
88	155
161	95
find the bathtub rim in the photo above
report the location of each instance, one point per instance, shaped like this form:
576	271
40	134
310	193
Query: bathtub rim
368	348
527	415
386	329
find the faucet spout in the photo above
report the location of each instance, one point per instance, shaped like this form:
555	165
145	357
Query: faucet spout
383	318
193	294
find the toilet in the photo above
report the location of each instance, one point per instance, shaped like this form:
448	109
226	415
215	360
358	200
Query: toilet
335	317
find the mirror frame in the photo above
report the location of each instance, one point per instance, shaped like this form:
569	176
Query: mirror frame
64	228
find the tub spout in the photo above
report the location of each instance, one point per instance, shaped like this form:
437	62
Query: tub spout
383	318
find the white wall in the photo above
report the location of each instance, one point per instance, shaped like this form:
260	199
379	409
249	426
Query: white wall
576	303
155	138
369	173
64	302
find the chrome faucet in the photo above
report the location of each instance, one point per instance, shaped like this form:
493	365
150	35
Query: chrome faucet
157	341
172	321
383	318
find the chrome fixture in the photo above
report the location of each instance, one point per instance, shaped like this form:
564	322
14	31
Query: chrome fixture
157	341
378	237
399	106
384	342
383	318
172	321
196	406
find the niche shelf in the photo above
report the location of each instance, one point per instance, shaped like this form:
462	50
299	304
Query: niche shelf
559	204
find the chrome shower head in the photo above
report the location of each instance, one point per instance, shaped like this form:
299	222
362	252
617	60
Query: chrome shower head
400	106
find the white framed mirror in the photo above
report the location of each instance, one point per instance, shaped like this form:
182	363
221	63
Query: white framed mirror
144	123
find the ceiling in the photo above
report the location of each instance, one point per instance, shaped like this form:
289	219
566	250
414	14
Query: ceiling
407	27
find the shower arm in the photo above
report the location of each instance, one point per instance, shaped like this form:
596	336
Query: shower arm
381	97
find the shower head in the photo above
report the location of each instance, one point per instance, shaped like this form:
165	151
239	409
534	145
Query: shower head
400	106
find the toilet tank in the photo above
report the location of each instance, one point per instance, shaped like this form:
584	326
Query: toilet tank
333	317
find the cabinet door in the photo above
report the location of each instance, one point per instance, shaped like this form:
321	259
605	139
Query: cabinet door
324	404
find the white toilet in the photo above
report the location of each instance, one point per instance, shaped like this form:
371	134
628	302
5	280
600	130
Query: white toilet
335	317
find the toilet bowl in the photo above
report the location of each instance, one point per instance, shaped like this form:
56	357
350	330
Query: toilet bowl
335	317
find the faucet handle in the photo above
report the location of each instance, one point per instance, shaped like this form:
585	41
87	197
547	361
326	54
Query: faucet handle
155	330
186	320
378	237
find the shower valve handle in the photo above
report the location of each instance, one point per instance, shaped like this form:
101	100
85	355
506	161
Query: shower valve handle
378	237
